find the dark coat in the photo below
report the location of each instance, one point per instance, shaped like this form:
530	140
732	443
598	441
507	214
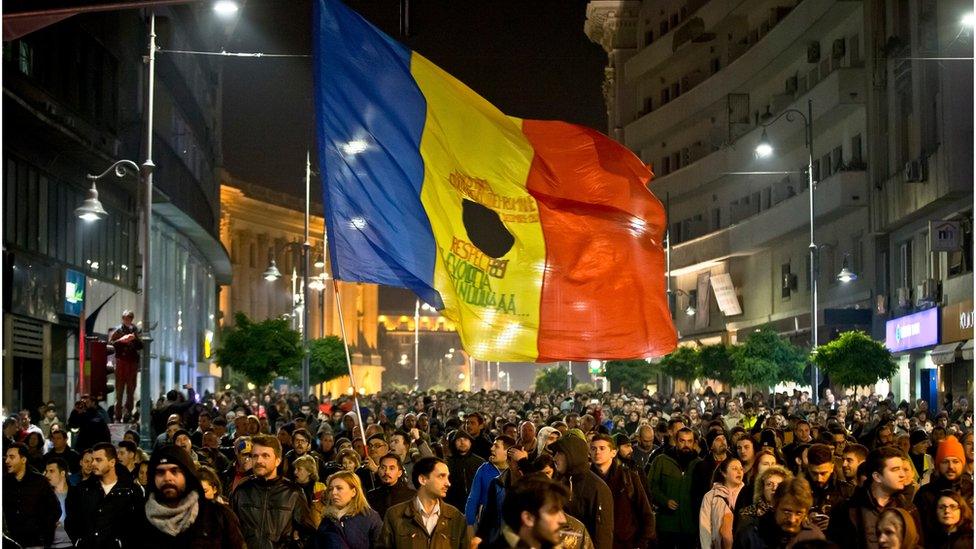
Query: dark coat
271	511
216	527
667	481
31	510
590	499
383	497
633	518
832	494
855	520
960	539
349	532
463	469
928	495
403	529
95	520
765	534
92	425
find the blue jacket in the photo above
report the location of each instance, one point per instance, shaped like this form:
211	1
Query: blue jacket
350	532
479	491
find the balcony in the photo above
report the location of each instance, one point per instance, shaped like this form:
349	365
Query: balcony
835	97
785	43
839	194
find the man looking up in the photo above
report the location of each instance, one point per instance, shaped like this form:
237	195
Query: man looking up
30	507
273	511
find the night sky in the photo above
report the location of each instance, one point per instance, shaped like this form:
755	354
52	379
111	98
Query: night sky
529	57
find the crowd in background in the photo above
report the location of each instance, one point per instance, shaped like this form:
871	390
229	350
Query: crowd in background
448	469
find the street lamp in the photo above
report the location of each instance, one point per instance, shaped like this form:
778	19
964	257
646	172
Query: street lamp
765	149
846	274
690	310
969	20
272	273
418	307
91	209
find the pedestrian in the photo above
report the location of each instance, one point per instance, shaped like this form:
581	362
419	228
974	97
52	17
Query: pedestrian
896	529
306	475
670	481
633	518
349	522
393	488
950	460
272	510
56	472
762	495
532	515
31	509
786	524
717	514
419	522
486	473
177	514
104	511
463	465
955	518
591	501
60	449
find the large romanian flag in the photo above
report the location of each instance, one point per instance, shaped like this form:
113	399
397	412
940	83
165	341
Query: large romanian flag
539	239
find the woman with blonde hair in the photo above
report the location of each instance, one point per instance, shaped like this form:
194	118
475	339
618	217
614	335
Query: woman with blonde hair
349	521
306	471
762	495
349	460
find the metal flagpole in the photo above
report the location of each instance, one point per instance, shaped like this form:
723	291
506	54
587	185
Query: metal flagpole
345	344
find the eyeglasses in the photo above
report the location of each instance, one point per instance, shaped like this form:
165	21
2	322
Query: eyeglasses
950	507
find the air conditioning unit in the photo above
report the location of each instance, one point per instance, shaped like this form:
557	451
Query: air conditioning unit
904	296
927	292
916	171
813	52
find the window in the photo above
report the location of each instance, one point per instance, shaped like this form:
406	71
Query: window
854	50
826	166
856	154
664	27
905	264
961	261
816	171
648	104
786	281
648	37
666	165
716	219
716	64
665	95
838	159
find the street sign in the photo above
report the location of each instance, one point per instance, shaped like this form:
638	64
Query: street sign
945	236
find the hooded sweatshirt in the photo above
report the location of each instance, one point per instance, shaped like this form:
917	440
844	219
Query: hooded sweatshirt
717	502
590	499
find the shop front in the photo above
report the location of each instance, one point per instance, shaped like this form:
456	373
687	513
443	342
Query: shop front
912	339
954	355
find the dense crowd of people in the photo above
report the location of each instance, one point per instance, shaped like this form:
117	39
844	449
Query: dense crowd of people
493	470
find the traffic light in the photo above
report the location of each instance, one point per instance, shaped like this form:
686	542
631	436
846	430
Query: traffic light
98	353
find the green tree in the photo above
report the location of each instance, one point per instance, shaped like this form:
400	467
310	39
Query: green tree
326	360
716	362
854	359
262	350
551	379
765	359
683	363
630	375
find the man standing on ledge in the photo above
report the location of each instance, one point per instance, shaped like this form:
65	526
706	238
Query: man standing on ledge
127	345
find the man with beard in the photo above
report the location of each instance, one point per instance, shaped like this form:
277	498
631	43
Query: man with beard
718	451
463	465
390	491
177	514
948	475
103	510
427	518
670	481
827	488
273	511
533	515
301	442
785	525
30	508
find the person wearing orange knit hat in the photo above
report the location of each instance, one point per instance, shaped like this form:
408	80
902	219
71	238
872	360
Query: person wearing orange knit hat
950	465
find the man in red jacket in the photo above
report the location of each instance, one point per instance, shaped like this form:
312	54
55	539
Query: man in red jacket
127	345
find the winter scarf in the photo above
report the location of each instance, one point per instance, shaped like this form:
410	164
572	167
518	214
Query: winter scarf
173	520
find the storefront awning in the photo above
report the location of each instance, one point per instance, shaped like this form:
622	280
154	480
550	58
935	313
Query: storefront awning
967	350
945	353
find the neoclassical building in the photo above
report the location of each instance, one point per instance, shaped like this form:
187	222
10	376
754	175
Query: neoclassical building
259	225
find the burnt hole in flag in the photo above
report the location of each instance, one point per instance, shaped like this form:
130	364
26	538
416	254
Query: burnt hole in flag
486	230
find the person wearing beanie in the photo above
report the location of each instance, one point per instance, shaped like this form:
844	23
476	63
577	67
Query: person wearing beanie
918	452
463	465
176	512
950	465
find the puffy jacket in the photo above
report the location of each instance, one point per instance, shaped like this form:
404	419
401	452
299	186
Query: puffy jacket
633	519
95	520
271	511
349	532
31	509
215	527
590	499
667	481
403	529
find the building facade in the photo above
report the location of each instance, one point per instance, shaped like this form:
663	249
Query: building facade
693	87
259	225
73	105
